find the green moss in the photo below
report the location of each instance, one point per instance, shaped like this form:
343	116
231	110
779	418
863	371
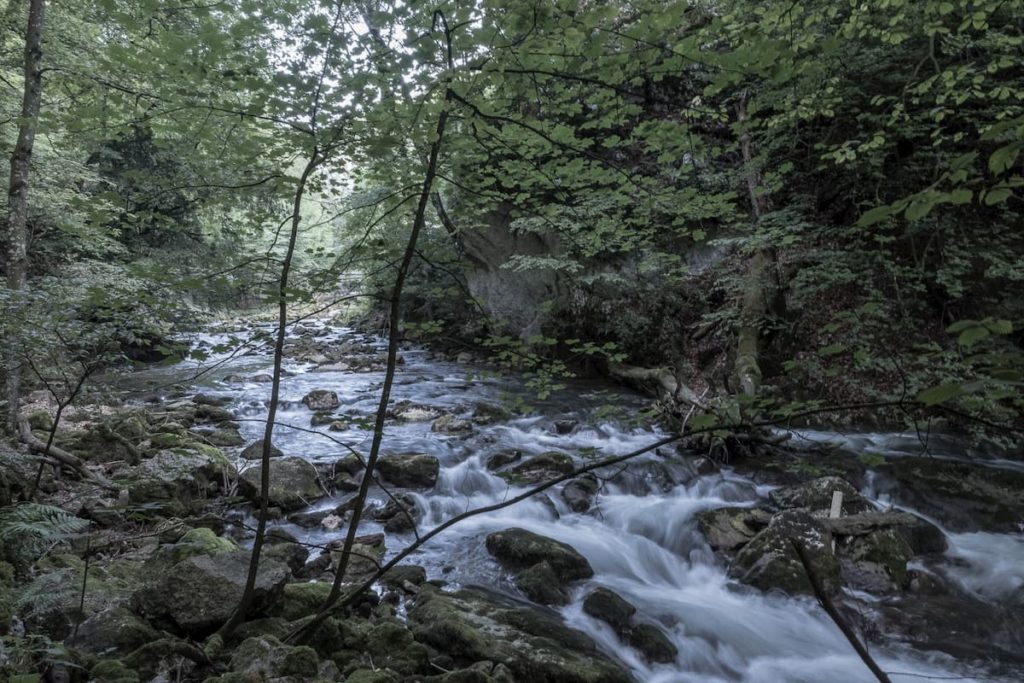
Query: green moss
301	600
112	671
368	676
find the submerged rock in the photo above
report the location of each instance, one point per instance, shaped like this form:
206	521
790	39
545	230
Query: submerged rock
294	483
410	470
407	411
473	626
647	639
770	560
579	493
489	413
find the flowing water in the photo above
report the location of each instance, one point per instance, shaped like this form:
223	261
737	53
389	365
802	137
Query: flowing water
642	538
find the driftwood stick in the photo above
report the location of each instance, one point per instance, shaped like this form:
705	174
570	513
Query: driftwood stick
830	609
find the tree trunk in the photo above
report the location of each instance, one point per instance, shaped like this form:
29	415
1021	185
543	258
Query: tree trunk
761	284
17	193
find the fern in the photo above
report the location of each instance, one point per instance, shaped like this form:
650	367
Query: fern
48	593
31	526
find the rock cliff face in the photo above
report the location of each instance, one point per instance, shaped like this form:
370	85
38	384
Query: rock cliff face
513	297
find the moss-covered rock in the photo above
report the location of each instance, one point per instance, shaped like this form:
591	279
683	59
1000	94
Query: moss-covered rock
391	645
198	594
272	658
816	495
472	626
519	549
179	479
115	631
876	561
540	468
301	599
770	560
112	671
370	676
254	451
410	470
294	483
730	528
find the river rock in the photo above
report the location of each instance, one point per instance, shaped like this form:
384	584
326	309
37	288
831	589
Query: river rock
876	561
320	400
540	468
543	566
265	658
112	632
579	493
399	514
770	561
474	626
210	400
198	594
294	483
816	495
178	479
647	639
410	470
731	528
962	496
499	460
220	437
489	413
407	411
921	535
254	451
449	424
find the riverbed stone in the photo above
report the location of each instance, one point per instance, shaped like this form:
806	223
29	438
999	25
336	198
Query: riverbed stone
731	528
320	400
294	483
619	614
543	567
876	561
922	536
473	626
410	470
489	413
962	496
499	460
267	658
770	560
450	424
579	493
198	594
541	468
816	495
178	479
254	451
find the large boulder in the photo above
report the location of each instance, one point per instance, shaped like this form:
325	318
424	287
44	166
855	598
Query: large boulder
294	483
112	632
579	493
731	528
320	400
177	479
410	470
875	561
770	560
198	594
266	658
921	535
816	495
619	614
962	496
473	626
254	451
540	468
543	567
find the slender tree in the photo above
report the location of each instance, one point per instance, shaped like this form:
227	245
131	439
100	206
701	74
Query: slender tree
16	263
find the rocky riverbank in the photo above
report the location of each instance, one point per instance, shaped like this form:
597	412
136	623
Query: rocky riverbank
675	568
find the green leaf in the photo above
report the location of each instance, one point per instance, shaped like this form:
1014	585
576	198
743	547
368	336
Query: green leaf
972	335
939	394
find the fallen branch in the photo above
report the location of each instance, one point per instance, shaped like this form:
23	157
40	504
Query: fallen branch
830	609
66	459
